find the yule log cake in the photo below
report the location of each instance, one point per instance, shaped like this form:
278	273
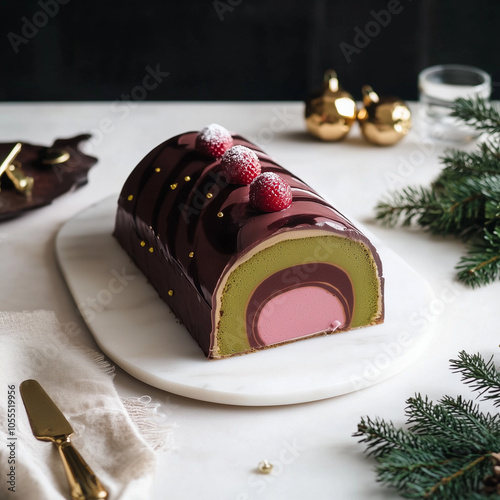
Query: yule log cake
246	255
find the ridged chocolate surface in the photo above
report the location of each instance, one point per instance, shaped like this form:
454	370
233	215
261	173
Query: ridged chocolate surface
178	203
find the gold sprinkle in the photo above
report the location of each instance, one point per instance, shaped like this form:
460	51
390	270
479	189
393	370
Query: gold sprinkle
157	169
209	195
151	249
265	467
191	255
187	178
170	293
173	186
143	243
130	197
220	215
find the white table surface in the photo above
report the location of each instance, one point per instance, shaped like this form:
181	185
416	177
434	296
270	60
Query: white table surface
217	447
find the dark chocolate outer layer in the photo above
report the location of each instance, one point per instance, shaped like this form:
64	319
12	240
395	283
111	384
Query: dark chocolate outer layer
194	225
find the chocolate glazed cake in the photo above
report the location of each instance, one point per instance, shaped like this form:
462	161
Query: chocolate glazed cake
238	278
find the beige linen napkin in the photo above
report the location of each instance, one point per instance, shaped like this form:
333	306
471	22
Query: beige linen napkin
118	439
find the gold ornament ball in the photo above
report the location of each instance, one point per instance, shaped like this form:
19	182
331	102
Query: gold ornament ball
331	112
383	120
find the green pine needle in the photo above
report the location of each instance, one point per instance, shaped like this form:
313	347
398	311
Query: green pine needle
463	201
482	263
456	207
460	163
477	113
458	420
481	375
447	449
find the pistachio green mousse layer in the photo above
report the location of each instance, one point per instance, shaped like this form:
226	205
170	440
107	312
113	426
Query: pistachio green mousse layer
352	256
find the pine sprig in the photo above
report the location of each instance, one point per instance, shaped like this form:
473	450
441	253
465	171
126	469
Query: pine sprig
434	476
456	420
448	449
460	163
464	200
452	208
477	113
408	205
382	437
482	263
479	374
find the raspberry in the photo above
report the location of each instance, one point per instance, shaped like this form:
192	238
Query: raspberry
241	164
213	141
270	193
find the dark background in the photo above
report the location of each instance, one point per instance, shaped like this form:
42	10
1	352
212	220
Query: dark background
60	50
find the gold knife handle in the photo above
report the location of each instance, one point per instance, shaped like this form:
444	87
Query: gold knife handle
83	483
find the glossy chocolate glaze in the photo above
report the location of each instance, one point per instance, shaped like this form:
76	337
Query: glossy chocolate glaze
181	206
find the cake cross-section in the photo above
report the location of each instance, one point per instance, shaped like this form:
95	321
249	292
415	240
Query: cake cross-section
244	275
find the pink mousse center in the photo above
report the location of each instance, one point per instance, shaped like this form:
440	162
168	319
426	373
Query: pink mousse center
299	312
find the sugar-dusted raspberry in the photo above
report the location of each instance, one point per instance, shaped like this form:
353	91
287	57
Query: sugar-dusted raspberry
213	140
241	164
270	193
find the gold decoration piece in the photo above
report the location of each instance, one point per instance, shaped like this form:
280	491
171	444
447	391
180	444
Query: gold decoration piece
331	112
220	215
191	255
23	183
383	120
130	197
151	249
13	170
157	169
187	178
143	243
170	293
173	186
10	158
209	195
265	467
55	156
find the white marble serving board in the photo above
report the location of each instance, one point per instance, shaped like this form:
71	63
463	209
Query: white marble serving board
137	330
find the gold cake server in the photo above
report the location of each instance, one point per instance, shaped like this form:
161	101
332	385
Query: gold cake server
49	424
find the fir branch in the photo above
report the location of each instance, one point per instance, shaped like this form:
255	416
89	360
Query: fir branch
455	420
449	449
422	474
460	163
482	429
463	201
478	114
481	265
463	478
456	208
408	205
383	437
480	375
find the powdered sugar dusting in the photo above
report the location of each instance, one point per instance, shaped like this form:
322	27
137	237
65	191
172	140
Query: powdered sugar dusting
240	155
270	176
214	132
213	140
241	164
